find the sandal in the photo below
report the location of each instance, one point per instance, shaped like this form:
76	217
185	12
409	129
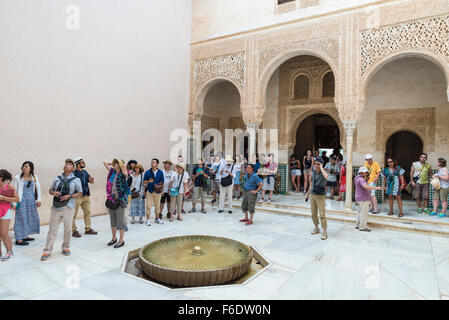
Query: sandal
400	215
390	213
248	223
179	218
7	256
244	220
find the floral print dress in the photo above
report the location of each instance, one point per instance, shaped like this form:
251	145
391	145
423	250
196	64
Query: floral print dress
393	177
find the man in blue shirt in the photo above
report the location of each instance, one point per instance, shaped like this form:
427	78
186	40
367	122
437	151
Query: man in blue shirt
252	186
84	201
154	182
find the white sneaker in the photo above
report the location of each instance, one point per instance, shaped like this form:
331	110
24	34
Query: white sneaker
268	201
158	221
148	222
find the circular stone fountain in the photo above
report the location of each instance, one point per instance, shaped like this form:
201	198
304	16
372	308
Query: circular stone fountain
194	261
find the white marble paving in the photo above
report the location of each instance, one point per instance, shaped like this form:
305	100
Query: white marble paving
383	264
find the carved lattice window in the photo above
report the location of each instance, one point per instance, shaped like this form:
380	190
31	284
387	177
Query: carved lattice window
329	85
301	87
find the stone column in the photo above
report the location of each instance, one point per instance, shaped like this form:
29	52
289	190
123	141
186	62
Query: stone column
252	143
350	127
252	118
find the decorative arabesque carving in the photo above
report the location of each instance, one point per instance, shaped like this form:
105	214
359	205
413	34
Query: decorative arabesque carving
418	120
431	34
229	66
328	46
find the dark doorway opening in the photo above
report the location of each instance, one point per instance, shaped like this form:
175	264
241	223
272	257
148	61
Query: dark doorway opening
318	131
405	147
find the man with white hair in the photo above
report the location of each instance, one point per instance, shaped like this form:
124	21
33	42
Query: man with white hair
227	173
363	197
374	171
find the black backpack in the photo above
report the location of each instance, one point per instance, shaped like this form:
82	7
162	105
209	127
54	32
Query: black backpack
64	188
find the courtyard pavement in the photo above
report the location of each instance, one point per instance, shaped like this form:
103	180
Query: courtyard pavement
383	264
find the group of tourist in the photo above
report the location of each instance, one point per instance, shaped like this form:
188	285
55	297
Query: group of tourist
132	191
334	166
393	183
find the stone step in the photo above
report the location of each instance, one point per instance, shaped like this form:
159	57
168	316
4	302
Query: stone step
375	217
406	223
400	225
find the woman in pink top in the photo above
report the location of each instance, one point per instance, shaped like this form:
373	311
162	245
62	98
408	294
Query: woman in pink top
342	181
7	195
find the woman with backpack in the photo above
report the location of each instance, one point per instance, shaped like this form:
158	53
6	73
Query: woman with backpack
117	192
177	187
27	218
137	206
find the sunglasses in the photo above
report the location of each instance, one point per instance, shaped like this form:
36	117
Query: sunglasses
390	161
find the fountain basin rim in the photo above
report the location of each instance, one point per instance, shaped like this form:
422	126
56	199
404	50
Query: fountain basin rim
196	271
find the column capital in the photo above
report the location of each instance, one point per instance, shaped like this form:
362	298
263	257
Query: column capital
253	116
350	126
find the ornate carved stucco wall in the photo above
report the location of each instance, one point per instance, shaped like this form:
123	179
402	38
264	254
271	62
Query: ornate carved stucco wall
418	120
352	46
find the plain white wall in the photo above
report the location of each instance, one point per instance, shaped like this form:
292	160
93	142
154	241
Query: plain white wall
116	87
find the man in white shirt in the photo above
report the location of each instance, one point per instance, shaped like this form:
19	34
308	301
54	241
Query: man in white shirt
227	176
216	176
168	173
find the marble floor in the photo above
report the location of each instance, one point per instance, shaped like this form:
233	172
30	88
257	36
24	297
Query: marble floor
383	264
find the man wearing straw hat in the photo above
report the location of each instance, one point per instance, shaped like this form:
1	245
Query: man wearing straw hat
227	173
363	197
168	173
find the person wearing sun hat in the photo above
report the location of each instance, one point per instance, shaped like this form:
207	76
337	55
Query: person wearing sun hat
363	197
137	205
177	188
168	173
227	174
84	201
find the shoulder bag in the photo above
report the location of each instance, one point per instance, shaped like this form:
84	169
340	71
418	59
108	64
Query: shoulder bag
227	181
136	193
175	191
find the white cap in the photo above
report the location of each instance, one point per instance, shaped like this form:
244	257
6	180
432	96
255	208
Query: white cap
363	169
78	160
369	156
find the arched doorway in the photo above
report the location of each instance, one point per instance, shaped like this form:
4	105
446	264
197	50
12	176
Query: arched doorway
405	147
221	110
317	132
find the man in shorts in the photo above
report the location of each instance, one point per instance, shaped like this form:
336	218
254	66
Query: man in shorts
419	177
253	184
374	171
